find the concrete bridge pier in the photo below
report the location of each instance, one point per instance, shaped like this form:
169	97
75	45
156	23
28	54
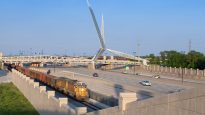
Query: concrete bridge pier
41	64
112	57
91	66
110	66
104	57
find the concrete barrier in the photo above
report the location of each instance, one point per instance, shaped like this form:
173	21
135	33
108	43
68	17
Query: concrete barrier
63	101
81	110
177	72
21	75
36	84
50	94
28	79
189	102
126	98
24	77
42	88
31	81
38	97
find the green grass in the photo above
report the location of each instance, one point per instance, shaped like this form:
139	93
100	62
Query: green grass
12	101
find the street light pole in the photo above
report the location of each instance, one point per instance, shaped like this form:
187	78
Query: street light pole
134	61
54	65
182	75
138	52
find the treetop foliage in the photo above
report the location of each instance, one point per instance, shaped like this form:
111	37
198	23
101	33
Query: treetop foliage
192	59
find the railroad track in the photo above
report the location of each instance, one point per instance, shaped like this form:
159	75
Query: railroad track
94	107
85	103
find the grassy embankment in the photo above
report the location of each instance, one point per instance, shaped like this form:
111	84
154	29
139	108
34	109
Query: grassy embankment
12	101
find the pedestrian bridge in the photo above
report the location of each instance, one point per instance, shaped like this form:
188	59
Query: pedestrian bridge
63	60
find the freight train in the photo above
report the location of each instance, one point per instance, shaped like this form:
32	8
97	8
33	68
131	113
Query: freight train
74	88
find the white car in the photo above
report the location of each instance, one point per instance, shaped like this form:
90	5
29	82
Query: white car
145	83
125	72
156	76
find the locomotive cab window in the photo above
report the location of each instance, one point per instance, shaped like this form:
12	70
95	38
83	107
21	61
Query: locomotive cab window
84	85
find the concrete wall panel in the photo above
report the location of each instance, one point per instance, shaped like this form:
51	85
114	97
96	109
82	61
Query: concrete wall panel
190	102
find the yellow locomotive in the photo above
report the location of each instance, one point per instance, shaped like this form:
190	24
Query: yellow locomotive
73	88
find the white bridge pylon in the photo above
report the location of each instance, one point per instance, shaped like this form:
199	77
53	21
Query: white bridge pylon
101	37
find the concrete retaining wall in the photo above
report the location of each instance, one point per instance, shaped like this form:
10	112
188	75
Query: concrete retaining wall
38	96
189	102
187	73
156	69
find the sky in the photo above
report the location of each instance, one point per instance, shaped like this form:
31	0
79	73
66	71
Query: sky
59	27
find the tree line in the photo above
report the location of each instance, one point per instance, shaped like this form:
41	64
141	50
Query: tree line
192	59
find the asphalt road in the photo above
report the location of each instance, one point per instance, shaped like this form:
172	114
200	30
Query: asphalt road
112	83
178	79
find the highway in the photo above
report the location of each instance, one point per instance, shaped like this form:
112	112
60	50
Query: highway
177	79
112	83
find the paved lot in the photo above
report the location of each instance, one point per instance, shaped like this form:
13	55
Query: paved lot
111	83
4	76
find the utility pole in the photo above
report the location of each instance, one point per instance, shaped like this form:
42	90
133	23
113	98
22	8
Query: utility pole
134	53
138	51
182	75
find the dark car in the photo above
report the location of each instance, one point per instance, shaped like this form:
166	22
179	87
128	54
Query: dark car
49	71
95	75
